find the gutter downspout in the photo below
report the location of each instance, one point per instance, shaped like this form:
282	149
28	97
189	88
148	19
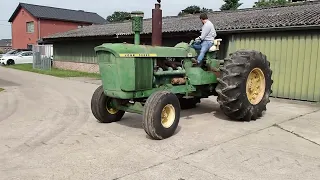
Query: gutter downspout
39	33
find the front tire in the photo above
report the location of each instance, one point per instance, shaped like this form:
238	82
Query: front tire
102	109
245	85
10	62
161	115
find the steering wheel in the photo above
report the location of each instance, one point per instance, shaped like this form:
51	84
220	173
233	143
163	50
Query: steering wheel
191	42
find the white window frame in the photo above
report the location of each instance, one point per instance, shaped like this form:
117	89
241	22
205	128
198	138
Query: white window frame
30	27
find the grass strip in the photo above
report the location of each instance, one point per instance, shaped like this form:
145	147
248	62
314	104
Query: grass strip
54	71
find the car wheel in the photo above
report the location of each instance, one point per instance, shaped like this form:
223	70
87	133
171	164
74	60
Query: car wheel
10	62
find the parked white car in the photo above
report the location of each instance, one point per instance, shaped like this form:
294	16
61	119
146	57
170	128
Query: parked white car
25	57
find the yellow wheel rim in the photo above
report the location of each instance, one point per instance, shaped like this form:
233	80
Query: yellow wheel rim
109	107
256	84
168	115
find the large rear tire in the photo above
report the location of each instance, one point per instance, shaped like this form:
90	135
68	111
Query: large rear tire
102	109
245	85
161	115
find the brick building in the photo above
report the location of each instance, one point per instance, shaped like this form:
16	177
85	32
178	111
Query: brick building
32	22
5	45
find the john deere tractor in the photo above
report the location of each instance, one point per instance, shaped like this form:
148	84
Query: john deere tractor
157	82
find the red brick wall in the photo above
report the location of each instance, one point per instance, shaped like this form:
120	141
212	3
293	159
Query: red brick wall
48	27
20	37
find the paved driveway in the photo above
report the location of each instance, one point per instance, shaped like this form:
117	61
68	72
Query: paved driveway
47	131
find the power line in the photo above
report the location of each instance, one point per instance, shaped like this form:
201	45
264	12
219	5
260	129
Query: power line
4	25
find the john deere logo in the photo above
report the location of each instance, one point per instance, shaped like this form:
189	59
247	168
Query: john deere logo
138	55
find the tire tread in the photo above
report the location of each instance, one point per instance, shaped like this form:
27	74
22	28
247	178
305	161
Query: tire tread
150	111
233	77
98	108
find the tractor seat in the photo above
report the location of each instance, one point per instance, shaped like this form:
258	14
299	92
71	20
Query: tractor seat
215	46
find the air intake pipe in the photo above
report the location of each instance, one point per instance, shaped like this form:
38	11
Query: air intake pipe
137	25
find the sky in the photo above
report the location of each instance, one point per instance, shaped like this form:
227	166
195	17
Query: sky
107	7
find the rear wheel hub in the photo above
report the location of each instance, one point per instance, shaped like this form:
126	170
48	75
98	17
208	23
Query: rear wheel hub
256	85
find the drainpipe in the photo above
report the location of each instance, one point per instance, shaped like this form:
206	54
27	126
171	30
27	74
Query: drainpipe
157	25
39	35
137	25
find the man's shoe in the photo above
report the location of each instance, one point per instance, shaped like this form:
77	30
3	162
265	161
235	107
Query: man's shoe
194	61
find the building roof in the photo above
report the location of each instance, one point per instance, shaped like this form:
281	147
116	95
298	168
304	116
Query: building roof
303	15
5	43
46	12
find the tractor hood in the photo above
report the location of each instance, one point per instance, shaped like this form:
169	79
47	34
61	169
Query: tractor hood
131	50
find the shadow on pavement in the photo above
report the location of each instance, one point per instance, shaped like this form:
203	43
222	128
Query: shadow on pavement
206	107
6	83
131	120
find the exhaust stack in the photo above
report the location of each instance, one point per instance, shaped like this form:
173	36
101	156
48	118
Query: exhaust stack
157	25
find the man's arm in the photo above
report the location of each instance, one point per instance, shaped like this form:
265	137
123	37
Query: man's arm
214	32
205	32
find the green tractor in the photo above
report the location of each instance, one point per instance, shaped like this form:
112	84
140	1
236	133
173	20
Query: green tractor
157	82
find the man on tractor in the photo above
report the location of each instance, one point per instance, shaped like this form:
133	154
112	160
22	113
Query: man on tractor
205	41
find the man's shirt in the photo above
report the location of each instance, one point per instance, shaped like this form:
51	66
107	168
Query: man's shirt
208	32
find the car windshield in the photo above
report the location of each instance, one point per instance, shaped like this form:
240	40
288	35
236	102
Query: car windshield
26	53
12	52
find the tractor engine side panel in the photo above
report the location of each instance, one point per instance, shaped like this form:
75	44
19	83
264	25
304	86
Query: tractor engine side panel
108	70
125	74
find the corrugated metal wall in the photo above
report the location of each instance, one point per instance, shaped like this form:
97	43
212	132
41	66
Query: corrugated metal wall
82	52
294	58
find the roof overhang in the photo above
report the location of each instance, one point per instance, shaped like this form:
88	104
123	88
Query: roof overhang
183	34
16	11
271	29
19	7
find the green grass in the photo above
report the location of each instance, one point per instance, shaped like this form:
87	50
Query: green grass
1	89
54	71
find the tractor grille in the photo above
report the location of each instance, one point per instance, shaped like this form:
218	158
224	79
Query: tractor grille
143	73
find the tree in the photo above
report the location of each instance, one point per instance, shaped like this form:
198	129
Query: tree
205	10
119	16
230	5
268	3
194	10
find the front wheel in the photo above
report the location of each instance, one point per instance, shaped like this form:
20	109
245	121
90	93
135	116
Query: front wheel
10	62
102	108
245	85
161	115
